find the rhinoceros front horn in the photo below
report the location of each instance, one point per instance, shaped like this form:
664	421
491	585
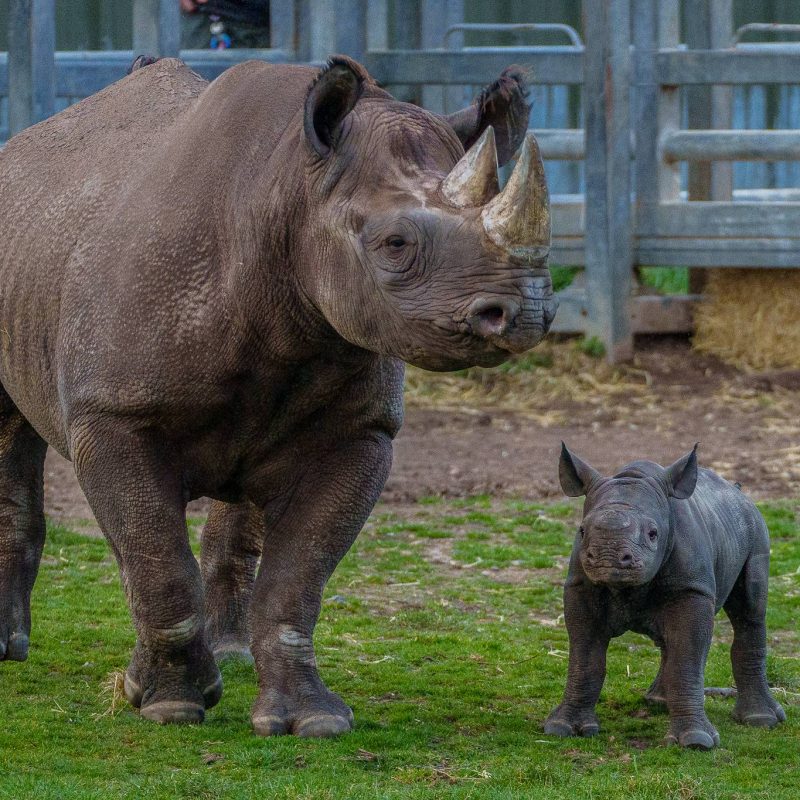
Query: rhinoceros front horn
473	180
518	219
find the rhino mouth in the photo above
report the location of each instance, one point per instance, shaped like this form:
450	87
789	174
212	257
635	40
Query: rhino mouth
616	576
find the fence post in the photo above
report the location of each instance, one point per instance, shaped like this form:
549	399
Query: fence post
283	26
609	247
156	27
31	62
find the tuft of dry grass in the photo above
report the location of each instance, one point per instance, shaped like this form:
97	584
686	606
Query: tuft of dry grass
112	690
751	318
557	371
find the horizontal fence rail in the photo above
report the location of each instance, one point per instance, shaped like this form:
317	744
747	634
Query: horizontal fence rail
647	158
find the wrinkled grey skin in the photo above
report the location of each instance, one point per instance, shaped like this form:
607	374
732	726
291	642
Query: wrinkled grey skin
659	552
206	290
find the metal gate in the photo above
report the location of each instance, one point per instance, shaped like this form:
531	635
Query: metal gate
650	105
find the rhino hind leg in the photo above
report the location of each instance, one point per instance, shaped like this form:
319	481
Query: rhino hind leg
746	608
22	527
230	550
137	497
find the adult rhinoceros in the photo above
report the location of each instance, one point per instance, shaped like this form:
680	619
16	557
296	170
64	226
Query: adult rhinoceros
210	290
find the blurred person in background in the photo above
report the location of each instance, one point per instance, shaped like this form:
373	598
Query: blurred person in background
219	24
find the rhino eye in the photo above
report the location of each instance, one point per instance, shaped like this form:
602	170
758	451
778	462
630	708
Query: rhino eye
652	534
395	244
581	531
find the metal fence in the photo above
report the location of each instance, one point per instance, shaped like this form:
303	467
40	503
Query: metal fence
642	168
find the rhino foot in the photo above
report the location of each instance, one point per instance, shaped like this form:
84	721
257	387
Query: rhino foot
15	647
565	721
165	693
697	734
761	712
321	715
232	649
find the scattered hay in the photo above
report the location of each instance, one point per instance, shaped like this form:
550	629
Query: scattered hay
555	373
751	318
112	690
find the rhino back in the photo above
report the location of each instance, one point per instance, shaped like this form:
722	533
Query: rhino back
118	225
716	530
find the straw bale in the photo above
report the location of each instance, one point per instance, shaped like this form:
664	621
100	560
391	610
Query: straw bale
751	318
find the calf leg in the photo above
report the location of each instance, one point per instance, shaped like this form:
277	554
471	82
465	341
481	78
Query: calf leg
656	694
136	494
687	626
22	453
303	546
588	643
746	608
230	550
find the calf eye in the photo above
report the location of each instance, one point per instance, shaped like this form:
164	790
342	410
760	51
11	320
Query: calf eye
652	534
581	531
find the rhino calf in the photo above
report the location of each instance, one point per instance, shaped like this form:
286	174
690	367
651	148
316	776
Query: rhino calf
659	552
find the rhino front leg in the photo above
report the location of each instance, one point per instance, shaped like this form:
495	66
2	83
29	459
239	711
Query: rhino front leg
687	625
231	547
136	493
22	454
746	608
588	643
303	546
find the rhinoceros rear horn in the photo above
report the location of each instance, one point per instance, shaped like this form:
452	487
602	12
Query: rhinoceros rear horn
473	180
518	219
330	99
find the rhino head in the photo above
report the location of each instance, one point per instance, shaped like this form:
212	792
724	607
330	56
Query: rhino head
416	252
626	531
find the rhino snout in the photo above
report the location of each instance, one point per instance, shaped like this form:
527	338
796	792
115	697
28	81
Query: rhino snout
622	559
514	323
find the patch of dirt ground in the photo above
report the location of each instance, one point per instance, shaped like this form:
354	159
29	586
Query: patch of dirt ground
500	432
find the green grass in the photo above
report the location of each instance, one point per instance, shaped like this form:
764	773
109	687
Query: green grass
442	629
665	280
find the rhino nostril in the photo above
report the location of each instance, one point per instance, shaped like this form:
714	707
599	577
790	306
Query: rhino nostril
492	317
590	555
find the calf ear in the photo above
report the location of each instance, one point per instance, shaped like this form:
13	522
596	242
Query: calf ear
681	476
575	475
329	100
504	106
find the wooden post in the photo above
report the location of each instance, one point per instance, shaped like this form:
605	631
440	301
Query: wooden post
31	62
283	26
710	27
609	250
156	27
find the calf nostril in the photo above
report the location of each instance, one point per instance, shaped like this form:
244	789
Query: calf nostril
590	554
626	559
493	318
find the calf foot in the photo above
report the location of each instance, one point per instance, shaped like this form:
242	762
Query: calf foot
176	686
696	733
15	628
762	711
310	710
568	721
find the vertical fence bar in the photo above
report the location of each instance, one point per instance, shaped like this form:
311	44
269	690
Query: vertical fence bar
322	30
31	62
378	25
283	26
646	92
436	16
156	27
607	31
350	23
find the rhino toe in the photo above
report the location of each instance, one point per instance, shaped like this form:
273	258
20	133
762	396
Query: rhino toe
16	648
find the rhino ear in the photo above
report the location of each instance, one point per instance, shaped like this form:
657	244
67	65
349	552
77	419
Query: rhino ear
330	99
503	105
575	475
681	477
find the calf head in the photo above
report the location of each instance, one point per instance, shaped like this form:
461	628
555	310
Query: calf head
626	531
416	252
